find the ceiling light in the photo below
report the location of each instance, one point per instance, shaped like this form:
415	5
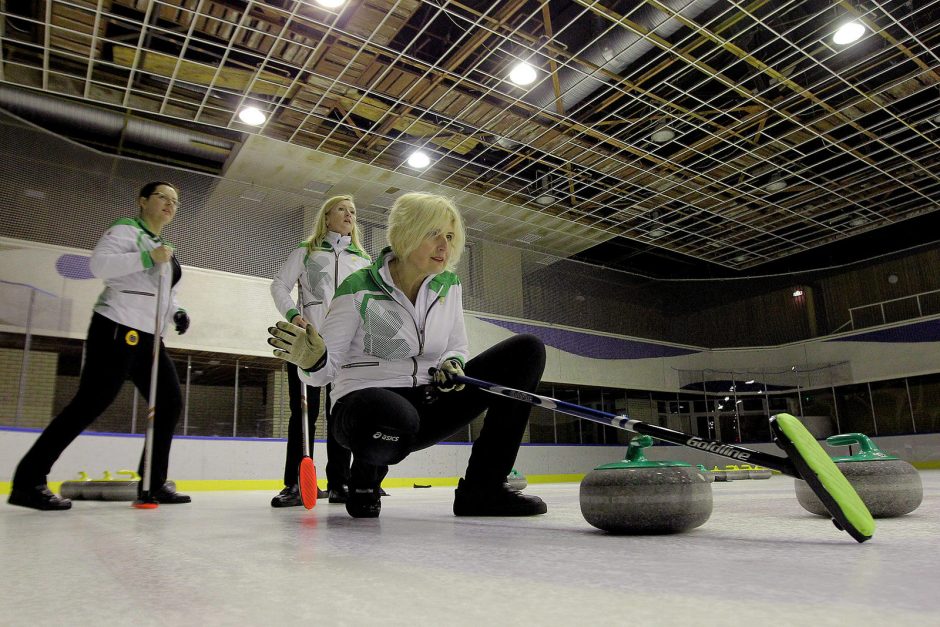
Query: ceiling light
847	33
508	144
858	222
523	74
252	116
330	4
545	199
739	258
419	160
749	382
657	233
797	293
666	182
776	184
662	135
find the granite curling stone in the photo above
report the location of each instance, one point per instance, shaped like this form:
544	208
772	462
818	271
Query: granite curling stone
517	480
638	496
107	489
888	485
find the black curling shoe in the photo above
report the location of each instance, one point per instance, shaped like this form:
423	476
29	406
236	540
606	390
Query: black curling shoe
364	503
338	495
166	496
38	497
288	497
498	500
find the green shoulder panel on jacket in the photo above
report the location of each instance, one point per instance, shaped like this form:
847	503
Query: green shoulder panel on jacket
126	222
358	252
442	283
358	281
137	224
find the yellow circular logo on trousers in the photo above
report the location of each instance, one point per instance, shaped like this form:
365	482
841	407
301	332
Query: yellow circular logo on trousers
131	338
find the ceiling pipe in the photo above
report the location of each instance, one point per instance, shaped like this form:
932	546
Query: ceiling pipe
612	54
66	115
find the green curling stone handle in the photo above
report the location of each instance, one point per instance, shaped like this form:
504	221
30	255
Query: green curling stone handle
868	451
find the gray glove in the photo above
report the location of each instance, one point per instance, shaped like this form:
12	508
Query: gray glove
305	348
441	376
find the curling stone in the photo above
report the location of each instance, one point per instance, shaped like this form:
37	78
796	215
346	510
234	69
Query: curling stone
641	496
719	474
888	485
517	480
105	489
709	476
756	472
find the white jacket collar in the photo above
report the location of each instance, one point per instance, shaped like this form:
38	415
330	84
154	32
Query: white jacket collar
337	241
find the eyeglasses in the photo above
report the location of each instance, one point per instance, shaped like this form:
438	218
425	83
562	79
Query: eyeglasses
166	198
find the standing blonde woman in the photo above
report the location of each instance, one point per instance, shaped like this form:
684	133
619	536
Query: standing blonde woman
317	267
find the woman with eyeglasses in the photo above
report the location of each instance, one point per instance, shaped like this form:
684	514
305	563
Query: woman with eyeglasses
331	253
129	257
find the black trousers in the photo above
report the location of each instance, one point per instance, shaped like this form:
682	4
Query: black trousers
382	426
109	359
337	457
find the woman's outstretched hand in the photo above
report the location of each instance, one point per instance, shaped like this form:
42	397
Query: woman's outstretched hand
300	346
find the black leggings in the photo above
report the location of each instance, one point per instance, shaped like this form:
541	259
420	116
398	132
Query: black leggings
382	426
109	358
337	457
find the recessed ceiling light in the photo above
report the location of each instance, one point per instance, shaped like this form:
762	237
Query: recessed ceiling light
330	4
657	233
797	293
776	184
508	144
252	116
847	33
739	258
419	160
523	74
858	222
662	135
545	199
666	182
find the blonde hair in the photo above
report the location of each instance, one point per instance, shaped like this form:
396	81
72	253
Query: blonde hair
319	228
415	215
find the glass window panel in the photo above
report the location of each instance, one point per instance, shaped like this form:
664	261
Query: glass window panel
211	397
542	423
892	409
755	428
925	400
567	428
819	412
854	409
616	402
593	398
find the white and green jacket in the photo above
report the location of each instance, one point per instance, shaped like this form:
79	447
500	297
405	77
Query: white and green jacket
375	337
319	273
131	279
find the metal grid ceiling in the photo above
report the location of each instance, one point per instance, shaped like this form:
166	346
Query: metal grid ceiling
783	141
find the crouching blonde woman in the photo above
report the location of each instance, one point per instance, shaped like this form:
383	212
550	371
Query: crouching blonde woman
387	326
